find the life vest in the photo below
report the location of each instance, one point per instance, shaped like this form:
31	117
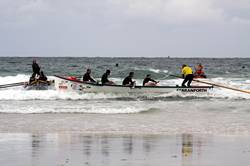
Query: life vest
199	70
71	78
187	70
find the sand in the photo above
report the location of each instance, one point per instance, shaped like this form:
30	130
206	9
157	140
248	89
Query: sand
24	149
69	140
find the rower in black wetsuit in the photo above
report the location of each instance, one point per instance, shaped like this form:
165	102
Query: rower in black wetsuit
42	77
128	80
105	78
87	77
148	81
36	68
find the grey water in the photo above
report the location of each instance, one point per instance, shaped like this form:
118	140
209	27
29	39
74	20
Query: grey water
214	67
222	111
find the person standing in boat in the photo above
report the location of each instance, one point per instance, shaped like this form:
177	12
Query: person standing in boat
35	74
199	72
148	81
128	80
187	75
105	78
87	77
36	68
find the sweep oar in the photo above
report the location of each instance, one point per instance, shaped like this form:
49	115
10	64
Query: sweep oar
12	85
218	85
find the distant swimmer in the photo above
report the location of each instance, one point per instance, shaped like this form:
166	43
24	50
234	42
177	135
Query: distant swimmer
87	77
105	78
36	68
187	74
199	72
42	77
148	81
128	80
117	64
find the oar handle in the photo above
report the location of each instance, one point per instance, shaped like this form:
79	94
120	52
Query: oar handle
12	85
175	76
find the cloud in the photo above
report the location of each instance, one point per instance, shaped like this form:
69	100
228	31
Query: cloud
173	11
185	11
164	11
240	20
125	27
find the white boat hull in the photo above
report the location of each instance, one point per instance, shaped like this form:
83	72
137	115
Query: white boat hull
65	84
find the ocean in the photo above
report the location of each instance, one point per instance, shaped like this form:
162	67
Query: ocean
175	113
50	127
160	109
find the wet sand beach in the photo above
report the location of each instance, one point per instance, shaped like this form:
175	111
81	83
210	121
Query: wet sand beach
158	117
24	149
68	139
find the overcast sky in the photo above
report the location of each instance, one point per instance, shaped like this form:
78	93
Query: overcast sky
148	28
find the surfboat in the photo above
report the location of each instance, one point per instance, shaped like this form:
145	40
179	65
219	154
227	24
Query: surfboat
67	84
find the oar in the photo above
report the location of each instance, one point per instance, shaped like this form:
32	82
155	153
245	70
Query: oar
218	85
12	85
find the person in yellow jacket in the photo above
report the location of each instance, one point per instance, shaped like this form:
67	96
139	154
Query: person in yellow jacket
187	74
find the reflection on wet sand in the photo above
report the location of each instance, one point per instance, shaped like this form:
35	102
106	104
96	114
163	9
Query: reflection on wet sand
86	142
35	144
187	149
119	150
128	145
105	145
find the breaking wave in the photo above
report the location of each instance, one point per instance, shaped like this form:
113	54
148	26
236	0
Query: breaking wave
19	93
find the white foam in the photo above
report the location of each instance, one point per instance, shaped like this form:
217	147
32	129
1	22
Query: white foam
69	106
152	70
158	70
18	93
13	79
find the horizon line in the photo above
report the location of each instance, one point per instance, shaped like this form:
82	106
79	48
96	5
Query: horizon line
147	57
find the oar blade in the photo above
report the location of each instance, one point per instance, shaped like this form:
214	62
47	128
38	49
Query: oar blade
218	85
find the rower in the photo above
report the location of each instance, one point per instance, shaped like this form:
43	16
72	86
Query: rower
87	77
42	77
128	80
36	68
32	79
105	78
187	75
148	81
199	72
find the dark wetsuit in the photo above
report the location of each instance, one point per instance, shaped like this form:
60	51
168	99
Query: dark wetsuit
36	69
105	78
32	79
189	79
146	80
42	77
87	77
127	81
